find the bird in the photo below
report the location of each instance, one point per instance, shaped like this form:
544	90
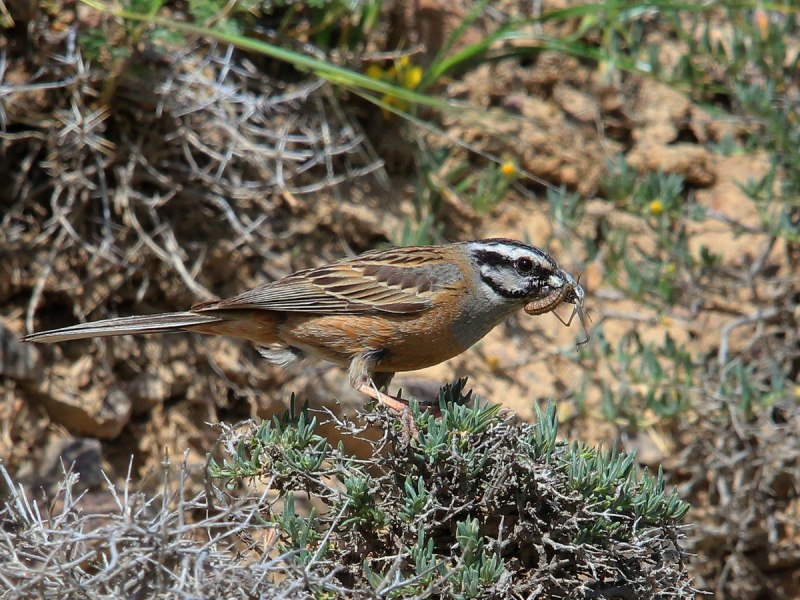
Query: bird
375	314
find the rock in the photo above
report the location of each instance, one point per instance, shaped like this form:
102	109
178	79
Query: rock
579	105
694	163
661	111
92	412
17	360
83	456
146	390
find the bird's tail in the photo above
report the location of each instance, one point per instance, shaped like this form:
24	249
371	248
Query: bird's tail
125	325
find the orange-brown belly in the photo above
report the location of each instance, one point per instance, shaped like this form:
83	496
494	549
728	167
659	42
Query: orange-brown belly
409	342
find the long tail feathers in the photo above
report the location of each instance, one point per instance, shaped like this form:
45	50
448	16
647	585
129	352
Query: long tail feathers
124	326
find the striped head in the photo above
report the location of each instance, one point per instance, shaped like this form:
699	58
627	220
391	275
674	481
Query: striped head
514	274
516	271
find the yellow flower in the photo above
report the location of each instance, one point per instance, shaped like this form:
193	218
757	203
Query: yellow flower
374	72
493	362
411	77
402	73
508	168
398	67
392	101
656	207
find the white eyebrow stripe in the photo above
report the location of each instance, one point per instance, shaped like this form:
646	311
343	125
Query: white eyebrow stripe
514	252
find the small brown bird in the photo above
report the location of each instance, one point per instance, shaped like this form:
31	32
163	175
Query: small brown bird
378	313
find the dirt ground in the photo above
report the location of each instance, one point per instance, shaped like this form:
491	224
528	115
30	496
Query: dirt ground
123	405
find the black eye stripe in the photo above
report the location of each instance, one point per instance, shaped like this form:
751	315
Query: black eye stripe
497	259
490	257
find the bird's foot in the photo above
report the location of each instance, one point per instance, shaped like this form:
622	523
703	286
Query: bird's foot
396	405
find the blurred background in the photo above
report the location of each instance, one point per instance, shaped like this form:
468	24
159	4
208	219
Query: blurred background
157	154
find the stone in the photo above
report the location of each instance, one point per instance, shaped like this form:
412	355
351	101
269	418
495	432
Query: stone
17	360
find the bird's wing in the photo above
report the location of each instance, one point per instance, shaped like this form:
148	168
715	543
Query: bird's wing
393	281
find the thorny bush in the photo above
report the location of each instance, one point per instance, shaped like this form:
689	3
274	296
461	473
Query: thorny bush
478	506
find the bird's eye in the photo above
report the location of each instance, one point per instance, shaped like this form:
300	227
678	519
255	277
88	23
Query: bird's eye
524	265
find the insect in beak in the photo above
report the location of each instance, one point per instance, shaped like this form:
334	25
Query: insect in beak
571	293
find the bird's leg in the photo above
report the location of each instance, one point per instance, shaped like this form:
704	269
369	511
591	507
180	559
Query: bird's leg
410	430
363	379
369	388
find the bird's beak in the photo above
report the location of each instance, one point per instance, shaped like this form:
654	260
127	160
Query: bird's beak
571	293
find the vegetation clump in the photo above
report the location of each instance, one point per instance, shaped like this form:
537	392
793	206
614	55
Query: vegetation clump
479	505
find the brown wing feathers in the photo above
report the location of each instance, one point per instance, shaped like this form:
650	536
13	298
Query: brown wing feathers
371	283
